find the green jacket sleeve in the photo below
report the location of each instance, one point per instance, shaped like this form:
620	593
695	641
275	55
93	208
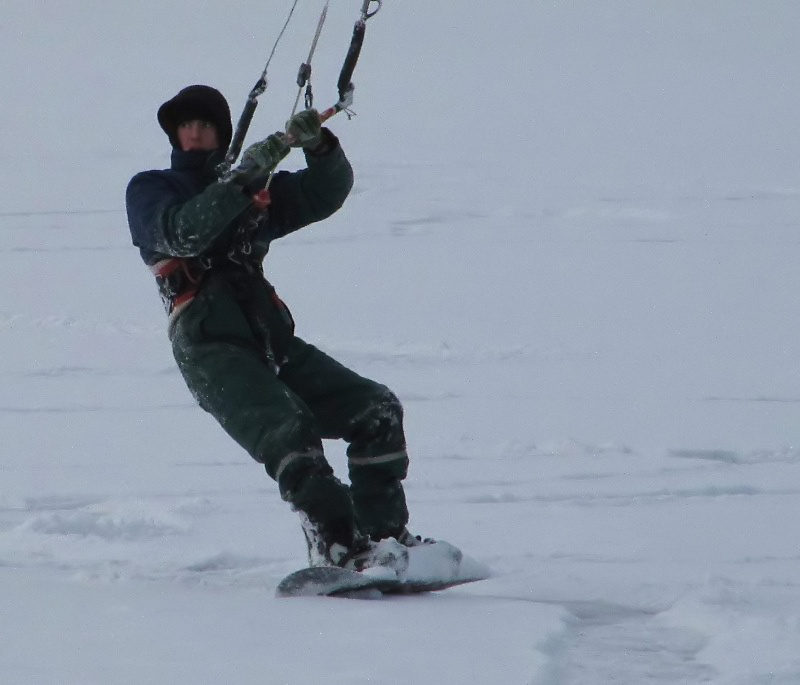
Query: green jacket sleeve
312	194
162	221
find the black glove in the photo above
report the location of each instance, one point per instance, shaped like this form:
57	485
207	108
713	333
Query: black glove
304	129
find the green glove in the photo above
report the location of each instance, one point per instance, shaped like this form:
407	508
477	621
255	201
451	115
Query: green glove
304	129
260	159
267	153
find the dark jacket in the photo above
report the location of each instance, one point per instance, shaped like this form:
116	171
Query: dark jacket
185	212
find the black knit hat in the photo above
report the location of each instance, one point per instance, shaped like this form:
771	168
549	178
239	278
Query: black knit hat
196	102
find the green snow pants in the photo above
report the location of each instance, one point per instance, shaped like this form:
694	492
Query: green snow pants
226	344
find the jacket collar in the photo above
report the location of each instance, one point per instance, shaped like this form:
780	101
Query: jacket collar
201	162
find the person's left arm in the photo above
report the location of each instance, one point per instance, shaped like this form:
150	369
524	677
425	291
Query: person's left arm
312	194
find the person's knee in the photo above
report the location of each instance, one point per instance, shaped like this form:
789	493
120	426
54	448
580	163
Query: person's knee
388	406
381	421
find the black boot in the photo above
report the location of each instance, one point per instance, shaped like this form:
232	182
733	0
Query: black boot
326	514
379	502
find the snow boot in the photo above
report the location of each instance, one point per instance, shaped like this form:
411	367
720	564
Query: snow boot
326	516
359	555
408	539
322	550
388	553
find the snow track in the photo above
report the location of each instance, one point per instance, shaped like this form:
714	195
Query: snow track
615	644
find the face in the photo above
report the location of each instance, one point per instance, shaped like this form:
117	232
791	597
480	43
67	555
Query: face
197	134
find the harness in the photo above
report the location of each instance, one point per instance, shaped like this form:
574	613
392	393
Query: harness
179	278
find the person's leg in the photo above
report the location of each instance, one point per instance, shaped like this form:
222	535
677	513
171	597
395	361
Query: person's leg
236	384
369	417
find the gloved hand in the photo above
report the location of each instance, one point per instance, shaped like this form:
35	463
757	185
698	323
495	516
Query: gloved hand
260	159
267	153
304	129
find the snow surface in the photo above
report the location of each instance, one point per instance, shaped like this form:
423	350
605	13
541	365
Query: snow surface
572	250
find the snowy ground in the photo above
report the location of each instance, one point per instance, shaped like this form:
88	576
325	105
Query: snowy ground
572	251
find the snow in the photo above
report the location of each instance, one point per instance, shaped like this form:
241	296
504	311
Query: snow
571	250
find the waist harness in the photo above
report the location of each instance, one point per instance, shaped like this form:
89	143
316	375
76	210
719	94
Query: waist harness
178	279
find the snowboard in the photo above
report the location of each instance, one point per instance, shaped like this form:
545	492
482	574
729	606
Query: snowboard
431	567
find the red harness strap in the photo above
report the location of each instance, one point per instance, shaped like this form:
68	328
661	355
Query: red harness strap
262	199
178	280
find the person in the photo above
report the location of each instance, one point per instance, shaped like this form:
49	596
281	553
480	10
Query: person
205	239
